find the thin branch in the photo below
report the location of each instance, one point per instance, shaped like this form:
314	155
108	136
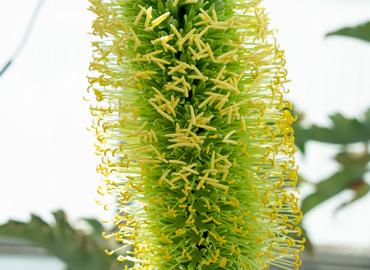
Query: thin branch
24	39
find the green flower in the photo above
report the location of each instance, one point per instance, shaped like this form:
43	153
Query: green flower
195	136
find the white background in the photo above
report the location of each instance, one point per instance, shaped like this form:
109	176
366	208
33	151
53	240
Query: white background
46	153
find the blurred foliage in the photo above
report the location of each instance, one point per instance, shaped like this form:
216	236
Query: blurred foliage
79	250
353	165
349	177
361	31
343	132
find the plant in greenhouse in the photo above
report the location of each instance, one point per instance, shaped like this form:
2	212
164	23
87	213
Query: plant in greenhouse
195	136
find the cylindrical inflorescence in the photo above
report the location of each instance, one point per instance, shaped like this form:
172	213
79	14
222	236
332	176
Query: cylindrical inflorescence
195	136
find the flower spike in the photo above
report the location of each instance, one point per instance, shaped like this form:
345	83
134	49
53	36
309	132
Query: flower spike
195	138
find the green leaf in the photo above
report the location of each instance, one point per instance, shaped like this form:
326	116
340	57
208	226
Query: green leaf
97	230
353	161
353	169
361	31
342	130
95	225
325	190
75	248
361	190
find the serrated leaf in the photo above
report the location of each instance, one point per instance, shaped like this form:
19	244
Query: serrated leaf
95	225
353	168
342	130
331	187
361	31
361	191
97	228
353	161
75	248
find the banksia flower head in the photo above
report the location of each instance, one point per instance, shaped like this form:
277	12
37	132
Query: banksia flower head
195	136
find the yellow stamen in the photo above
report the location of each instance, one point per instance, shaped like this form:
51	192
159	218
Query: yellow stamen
158	21
148	16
